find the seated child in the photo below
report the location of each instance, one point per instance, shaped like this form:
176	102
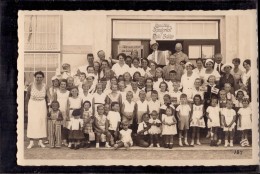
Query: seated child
155	129
228	120
114	120
101	126
142	131
76	129
183	115
54	125
125	139
88	120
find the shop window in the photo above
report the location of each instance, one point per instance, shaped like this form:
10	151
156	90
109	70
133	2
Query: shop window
41	46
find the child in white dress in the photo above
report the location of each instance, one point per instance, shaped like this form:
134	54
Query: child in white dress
155	129
74	101
228	118
98	98
129	109
142	106
168	127
213	115
125	137
245	121
197	120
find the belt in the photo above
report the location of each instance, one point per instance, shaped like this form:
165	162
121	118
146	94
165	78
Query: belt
35	99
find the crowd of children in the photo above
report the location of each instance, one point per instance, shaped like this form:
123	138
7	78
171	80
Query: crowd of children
138	108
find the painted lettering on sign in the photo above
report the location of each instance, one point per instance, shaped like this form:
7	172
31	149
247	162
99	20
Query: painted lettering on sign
163	31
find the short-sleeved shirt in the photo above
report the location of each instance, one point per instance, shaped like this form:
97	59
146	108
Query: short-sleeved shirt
142	126
113	118
184	110
154	105
126	135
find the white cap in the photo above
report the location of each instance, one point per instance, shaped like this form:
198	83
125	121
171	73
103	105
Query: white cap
226	65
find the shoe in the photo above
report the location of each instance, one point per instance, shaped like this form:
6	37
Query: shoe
30	145
198	143
219	142
192	143
158	145
226	144
107	146
88	145
116	146
166	145
231	144
127	147
69	145
76	147
72	146
46	142
41	145
180	143
97	145
151	145
170	146
208	135
186	143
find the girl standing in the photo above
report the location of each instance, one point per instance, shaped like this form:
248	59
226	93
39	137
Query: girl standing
245	121
197	121
168	127
98	98
213	115
114	96
54	125
229	118
88	120
74	101
75	129
54	88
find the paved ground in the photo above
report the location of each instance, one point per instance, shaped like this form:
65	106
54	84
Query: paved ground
181	153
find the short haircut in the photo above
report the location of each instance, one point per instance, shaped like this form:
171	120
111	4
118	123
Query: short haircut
86	102
121	54
172	72
105	61
154	112
100	106
229	100
63	80
82	73
183	61
183	96
90	55
154	92
55	101
39	73
145	59
197	95
199	60
142	92
214	98
165	85
248	61
149	78
135	59
90	67
236	60
167	95
240	92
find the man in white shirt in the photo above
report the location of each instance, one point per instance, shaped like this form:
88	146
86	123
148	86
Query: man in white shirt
90	62
159	57
218	63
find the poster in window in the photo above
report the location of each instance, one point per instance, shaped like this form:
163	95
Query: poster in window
163	30
194	51
127	49
208	51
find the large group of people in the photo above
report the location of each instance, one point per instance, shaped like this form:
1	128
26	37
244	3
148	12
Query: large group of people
144	102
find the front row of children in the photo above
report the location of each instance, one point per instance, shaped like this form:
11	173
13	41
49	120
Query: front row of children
84	127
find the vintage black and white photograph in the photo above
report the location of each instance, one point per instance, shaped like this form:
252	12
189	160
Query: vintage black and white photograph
165	88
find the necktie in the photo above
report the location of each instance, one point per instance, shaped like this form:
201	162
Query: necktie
218	68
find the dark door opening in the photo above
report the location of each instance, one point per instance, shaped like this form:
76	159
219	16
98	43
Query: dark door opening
169	45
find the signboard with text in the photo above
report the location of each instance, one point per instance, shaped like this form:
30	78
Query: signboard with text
163	30
127	49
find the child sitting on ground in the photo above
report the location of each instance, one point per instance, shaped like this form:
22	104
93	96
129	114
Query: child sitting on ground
125	139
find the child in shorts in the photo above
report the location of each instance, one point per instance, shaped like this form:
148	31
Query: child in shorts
183	115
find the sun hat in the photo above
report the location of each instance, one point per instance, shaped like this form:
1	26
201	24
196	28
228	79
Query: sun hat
152	42
188	64
209	60
226	65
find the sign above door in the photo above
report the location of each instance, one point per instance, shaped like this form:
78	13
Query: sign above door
163	30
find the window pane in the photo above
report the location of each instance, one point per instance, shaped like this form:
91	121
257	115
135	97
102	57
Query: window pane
48	77
40	41
28	77
28	62
52	62
40	62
